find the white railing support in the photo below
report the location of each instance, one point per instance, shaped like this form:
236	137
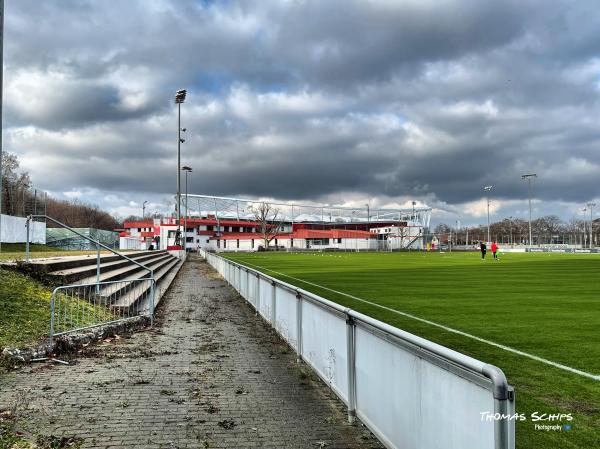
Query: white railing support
351	367
299	327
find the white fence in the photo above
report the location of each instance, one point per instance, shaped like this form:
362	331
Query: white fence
14	230
410	392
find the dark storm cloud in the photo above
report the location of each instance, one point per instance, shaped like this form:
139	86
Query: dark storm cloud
308	99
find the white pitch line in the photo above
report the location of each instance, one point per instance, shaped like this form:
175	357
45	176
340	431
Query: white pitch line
441	326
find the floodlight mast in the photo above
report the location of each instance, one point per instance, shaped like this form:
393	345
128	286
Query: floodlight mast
179	98
591	207
1	88
488	189
529	177
187	170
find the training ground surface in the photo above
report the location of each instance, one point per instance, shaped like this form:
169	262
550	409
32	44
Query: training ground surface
536	316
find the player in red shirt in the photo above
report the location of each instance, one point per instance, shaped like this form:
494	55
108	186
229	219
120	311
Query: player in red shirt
494	250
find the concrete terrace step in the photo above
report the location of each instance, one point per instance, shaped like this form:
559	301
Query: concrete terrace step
51	264
74	274
129	300
130	275
127	272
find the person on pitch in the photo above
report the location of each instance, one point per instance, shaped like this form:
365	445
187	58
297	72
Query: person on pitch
494	250
483	250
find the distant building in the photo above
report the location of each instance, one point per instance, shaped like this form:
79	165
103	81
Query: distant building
216	234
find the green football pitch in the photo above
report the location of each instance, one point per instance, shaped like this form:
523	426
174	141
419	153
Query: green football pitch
536	316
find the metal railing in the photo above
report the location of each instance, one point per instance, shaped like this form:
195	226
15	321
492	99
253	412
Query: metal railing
114	298
84	306
410	392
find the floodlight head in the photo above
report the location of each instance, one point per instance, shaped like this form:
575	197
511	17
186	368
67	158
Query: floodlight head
488	188
183	129
180	96
182	140
530	175
186	168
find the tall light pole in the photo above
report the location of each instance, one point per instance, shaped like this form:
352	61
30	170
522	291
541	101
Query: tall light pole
368	214
187	170
488	189
179	99
1	88
144	209
529	177
591	206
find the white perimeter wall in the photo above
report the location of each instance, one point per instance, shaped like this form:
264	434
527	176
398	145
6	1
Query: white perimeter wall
14	230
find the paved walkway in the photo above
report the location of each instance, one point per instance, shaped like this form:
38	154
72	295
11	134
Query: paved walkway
210	374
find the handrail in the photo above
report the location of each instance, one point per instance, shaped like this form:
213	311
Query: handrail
95	242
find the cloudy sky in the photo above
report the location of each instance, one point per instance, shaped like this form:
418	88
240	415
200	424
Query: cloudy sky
338	102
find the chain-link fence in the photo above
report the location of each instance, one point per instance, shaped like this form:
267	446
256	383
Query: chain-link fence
20	200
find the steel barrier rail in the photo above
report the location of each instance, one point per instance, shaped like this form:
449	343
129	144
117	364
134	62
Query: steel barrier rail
425	366
79	307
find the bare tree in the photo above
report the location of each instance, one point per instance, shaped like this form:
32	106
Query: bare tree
267	218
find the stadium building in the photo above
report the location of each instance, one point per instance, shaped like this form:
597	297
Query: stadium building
232	225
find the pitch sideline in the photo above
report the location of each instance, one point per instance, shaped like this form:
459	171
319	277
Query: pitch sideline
441	326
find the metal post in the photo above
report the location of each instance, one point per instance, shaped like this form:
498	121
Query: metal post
98	267
1	127
217	218
351	367
528	178
152	292
257	293
299	327
179	168
185	228
274	305
51	335
488	189
27	240
591	206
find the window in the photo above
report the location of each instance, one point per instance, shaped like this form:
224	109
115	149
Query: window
252	243
339	240
207	241
139	229
218	243
209	228
238	243
291	242
189	239
224	243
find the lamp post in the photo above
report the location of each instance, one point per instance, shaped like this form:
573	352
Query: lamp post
488	189
1	70
529	177
144	209
591	207
368	214
187	170
510	220
179	99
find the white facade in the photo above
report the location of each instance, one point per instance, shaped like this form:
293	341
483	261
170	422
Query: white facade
401	237
14	230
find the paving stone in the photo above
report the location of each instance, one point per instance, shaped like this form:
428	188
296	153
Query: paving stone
203	376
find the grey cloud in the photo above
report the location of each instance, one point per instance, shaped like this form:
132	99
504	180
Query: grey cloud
311	99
